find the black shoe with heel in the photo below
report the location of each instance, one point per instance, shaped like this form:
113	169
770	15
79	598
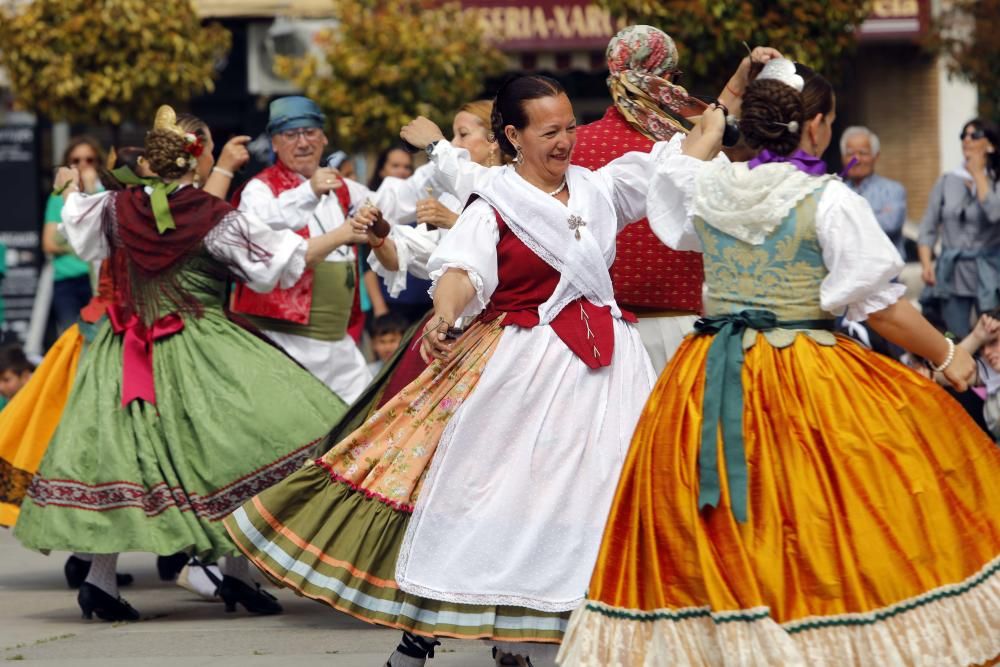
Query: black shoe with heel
253	599
77	569
93	600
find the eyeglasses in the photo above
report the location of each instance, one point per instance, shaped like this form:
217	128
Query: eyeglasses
974	134
861	153
84	160
310	134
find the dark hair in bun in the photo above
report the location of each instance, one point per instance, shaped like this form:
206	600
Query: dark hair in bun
770	106
509	103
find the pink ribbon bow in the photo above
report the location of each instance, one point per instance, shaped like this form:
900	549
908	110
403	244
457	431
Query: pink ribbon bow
137	354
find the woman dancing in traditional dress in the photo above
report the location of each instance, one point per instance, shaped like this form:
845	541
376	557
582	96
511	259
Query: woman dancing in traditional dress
525	417
184	414
791	498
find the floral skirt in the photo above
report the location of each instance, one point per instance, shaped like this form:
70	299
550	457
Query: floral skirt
872	536
28	422
333	530
400	370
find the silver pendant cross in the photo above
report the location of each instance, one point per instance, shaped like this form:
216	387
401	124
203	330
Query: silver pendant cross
575	222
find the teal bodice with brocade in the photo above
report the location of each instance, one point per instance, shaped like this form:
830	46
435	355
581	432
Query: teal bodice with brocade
782	275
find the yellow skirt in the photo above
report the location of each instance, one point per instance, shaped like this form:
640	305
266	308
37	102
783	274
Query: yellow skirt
872	537
30	419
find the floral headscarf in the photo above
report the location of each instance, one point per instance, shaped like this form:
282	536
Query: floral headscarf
640	57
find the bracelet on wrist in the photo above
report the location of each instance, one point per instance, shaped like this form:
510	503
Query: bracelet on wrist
733	92
224	172
947	360
380	244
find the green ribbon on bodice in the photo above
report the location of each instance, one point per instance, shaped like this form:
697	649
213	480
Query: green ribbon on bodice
723	402
158	200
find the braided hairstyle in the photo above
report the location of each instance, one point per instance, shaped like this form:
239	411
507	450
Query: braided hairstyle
770	106
509	104
165	150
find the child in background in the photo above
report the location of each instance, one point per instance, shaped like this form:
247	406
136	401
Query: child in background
387	333
15	371
985	339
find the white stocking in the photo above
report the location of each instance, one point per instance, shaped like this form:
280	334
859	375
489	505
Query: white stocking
104	573
237	567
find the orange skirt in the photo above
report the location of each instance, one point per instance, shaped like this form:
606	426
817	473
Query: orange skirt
872	538
30	419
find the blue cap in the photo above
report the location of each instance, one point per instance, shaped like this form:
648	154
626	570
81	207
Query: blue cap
290	113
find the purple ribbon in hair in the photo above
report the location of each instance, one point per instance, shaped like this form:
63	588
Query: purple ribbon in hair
801	160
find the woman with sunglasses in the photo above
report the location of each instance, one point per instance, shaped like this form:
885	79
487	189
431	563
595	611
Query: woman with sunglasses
963	212
71	290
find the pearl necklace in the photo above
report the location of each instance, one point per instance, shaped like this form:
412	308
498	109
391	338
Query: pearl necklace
555	192
559	189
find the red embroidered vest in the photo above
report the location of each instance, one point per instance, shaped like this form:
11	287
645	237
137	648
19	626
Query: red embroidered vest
525	282
646	274
292	304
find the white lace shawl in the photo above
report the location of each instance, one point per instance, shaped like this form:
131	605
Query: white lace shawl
749	204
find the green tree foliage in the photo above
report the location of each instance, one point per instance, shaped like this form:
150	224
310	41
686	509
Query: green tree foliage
390	60
107	60
710	33
967	33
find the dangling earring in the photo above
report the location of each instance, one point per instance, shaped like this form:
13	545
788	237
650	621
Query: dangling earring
519	156
196	182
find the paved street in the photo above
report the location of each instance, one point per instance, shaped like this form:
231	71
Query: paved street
40	623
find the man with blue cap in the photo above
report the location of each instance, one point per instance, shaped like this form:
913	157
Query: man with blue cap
308	320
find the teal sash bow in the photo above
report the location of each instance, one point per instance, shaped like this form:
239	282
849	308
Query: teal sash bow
723	402
158	200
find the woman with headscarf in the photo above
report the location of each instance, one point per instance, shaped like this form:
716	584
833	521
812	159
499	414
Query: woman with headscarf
660	285
162	397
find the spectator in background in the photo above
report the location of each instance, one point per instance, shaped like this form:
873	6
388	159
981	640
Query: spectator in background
394	161
71	289
886	196
15	371
963	210
343	163
984	341
387	333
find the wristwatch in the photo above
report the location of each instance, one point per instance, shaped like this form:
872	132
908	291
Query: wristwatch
430	149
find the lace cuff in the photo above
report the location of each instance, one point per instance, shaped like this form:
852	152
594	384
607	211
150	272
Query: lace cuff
479	301
875	302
